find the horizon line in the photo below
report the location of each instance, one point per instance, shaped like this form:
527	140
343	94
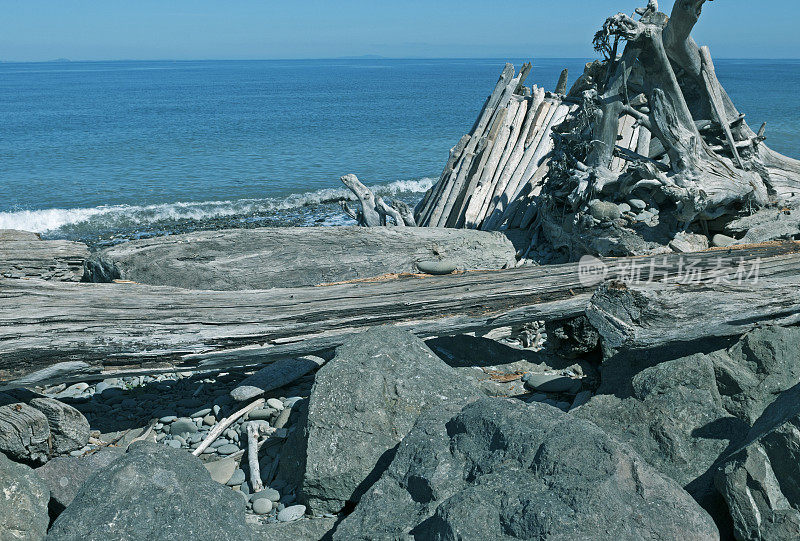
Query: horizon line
348	57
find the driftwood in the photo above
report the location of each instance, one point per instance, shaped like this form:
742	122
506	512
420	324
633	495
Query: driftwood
374	210
296	256
642	316
223	425
274	376
650	122
106	330
25	255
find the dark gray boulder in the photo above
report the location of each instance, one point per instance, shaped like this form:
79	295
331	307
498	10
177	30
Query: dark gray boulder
675	420
65	476
153	492
683	406
23	503
24	432
502	469
69	429
756	369
362	404
761	481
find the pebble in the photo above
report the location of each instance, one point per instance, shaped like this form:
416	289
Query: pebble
291	401
175	444
291	513
262	414
269	493
604	211
551	383
215	409
580	399
637	204
624	207
202	413
183	426
283	418
209	420
227	449
275	404
262	506
168	419
722	241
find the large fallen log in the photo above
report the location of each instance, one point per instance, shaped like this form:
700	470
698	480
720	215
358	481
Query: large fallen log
52	331
641	316
24	254
298	256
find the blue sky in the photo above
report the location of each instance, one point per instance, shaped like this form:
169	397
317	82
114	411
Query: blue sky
242	29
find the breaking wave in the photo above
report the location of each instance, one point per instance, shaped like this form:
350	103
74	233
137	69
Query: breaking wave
109	217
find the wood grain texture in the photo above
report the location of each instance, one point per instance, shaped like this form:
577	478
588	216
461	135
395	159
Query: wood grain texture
132	329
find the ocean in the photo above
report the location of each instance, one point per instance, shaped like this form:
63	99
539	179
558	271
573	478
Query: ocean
107	151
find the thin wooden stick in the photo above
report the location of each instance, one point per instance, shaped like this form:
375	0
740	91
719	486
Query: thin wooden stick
221	426
252	458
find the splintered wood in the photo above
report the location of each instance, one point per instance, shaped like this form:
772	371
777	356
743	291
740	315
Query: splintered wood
499	163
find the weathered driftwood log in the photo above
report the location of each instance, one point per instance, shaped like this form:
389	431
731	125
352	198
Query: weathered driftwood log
24	254
374	210
649	315
114	329
296	256
368	215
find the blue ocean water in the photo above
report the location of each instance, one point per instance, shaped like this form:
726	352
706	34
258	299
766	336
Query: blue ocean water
109	150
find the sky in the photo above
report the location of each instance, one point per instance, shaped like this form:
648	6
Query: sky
40	30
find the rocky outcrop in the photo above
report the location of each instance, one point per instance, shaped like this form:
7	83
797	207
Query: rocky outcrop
362	404
296	256
69	429
23	503
153	492
761	481
502	469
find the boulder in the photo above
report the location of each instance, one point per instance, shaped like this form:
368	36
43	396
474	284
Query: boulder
362	404
153	492
502	469
23	503
68	427
268	257
64	476
675	420
24	432
682	411
756	369
761	481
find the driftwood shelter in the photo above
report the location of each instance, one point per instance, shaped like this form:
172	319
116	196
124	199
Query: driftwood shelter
646	149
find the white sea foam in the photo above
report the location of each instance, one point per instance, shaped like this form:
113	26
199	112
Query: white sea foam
110	216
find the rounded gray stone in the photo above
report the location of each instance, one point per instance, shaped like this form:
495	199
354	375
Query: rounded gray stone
294	512
227	449
262	506
637	204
